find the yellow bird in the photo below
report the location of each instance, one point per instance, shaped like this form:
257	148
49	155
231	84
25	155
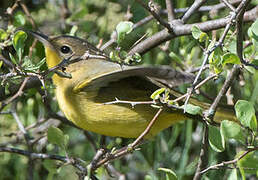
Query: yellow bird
95	81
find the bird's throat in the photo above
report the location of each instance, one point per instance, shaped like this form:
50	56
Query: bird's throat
52	58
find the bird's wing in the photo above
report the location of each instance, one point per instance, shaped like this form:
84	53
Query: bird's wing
162	74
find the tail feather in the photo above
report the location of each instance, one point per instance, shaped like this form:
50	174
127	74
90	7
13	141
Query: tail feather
223	112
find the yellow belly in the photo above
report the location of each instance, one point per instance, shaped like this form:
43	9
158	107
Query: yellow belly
115	119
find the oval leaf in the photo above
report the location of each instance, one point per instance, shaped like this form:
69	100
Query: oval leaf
203	37
19	19
170	175
248	164
196	32
254	30
156	94
230	58
50	165
245	113
56	136
216	141
123	28
19	42
194	110
230	129
233	175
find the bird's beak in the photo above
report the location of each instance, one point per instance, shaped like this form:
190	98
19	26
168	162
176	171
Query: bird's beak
44	39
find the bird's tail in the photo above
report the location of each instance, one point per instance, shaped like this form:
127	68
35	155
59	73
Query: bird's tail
223	112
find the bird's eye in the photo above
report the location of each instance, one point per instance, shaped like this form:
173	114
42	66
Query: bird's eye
65	49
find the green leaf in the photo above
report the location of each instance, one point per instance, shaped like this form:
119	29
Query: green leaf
230	58
50	165
123	28
215	60
232	130
78	14
19	19
196	32
212	43
203	37
123	54
40	63
170	175
194	110
231	46
175	57
19	42
245	113
157	93
73	30
148	177
253	34
13	59
254	30
249	163
1	63
250	69
255	45
255	62
216	141
112	56
29	66
233	175
56	136
137	57
3	35
254	2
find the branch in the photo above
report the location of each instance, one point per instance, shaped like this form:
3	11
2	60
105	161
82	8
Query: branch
235	70
133	103
203	160
195	6
164	12
156	16
210	113
223	164
16	95
240	9
170	10
181	30
33	155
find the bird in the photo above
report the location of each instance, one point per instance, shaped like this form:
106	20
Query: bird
95	81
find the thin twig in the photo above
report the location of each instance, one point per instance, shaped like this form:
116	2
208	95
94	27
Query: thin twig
147	130
223	164
34	155
170	10
197	86
210	113
156	16
164	12
28	14
195	6
18	93
218	44
232	8
181	30
133	103
203	159
26	137
236	68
